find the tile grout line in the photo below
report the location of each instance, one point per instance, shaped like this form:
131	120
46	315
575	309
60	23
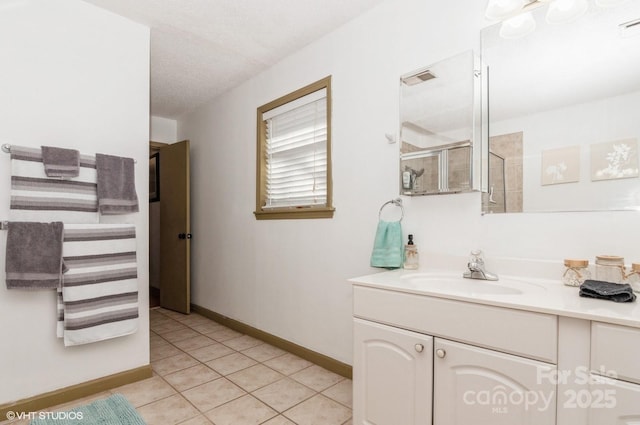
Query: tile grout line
170	320
225	377
315	392
236	351
200	412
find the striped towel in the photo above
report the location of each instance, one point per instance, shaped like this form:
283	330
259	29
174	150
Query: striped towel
99	295
35	197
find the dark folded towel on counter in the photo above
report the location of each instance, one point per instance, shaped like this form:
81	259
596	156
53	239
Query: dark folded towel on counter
34	255
116	185
620	293
60	162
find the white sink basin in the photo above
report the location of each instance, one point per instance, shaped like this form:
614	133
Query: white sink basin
456	284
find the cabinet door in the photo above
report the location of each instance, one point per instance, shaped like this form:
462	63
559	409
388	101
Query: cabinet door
611	402
392	375
475	386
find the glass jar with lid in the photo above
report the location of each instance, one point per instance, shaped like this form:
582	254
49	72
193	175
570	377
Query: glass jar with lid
610	268
576	272
633	278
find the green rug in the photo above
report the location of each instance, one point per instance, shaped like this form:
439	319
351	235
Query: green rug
114	410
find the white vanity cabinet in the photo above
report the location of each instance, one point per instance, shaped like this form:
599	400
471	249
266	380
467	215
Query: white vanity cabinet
611	402
477	386
614	391
417	361
393	380
491	354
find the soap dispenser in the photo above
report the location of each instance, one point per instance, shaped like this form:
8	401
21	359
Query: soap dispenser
410	255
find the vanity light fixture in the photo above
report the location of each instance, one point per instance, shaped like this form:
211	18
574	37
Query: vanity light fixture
610	3
518	26
563	11
516	17
517	20
630	29
498	10
12	4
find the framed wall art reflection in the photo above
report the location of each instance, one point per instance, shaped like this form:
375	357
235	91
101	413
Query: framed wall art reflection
561	165
614	160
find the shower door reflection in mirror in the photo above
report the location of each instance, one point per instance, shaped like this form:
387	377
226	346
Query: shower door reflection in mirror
439	111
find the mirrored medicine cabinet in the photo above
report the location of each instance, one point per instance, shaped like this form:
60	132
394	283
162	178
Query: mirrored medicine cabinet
563	124
440	127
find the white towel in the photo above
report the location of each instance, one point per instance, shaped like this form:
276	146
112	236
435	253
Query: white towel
99	296
36	197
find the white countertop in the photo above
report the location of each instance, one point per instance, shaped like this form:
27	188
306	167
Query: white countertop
539	295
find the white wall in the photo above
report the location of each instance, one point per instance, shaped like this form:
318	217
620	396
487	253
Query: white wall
163	130
289	277
604	120
74	76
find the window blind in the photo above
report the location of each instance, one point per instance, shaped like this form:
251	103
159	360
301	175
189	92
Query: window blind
296	153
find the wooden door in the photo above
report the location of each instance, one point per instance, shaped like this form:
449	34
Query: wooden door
483	387
175	228
392	375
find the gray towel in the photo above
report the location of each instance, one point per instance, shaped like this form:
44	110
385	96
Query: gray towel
60	162
116	185
620	293
34	255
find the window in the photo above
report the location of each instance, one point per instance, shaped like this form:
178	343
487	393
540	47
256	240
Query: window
294	155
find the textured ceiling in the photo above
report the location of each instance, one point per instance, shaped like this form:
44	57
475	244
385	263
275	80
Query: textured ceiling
202	48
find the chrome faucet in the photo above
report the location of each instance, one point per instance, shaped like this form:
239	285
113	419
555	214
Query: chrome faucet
476	268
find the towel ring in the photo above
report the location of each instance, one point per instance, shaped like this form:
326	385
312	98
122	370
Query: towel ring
397	202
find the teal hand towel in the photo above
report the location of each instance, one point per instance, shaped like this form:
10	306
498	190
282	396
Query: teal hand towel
387	247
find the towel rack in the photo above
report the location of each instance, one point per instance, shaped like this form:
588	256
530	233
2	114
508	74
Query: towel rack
6	148
397	202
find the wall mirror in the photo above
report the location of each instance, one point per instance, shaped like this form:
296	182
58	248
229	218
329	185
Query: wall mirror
439	121
563	124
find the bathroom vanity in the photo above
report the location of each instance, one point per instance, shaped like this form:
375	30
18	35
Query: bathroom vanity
434	348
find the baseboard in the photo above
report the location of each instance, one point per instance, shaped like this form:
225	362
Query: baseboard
326	362
74	392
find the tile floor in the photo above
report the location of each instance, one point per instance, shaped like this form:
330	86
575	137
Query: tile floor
205	373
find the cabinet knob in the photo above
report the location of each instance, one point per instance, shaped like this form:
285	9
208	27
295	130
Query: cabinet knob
441	353
419	348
